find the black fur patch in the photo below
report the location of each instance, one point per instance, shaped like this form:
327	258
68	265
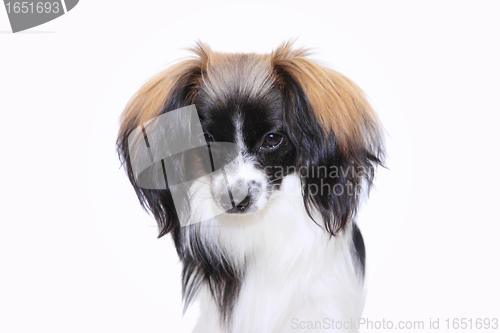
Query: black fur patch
334	195
208	266
359	248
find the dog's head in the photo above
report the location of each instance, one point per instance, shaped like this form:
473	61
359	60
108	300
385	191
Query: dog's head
283	112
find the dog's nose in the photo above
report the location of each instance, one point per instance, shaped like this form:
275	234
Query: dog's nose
243	205
240	207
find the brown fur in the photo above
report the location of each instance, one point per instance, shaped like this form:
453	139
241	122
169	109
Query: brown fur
339	104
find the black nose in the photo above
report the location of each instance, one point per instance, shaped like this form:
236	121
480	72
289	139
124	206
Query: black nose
240	207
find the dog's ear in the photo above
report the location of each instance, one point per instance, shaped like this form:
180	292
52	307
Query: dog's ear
337	135
171	89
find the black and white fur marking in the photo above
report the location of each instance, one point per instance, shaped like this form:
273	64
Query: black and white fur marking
287	249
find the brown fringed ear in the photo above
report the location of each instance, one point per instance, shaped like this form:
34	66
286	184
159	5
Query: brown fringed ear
150	100
335	131
338	103
171	89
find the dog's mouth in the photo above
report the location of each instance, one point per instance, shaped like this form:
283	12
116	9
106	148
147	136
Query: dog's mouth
245	206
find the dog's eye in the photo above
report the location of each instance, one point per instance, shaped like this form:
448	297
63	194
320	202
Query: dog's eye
209	138
272	140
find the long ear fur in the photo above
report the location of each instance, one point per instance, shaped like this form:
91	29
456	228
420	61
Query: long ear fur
171	89
336	132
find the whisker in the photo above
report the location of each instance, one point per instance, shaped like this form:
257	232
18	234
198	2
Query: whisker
272	181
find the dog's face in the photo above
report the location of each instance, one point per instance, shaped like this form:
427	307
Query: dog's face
255	126
285	114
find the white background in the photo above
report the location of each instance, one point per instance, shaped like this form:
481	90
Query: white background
77	254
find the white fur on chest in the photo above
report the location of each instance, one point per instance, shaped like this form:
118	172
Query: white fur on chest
293	270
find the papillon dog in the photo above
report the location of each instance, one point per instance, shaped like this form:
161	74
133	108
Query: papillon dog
264	226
